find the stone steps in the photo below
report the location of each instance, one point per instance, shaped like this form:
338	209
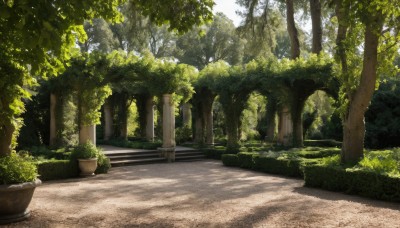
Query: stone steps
125	157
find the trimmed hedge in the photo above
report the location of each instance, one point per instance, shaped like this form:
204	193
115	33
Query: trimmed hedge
287	167
245	159
364	183
316	152
131	144
63	169
213	153
230	160
57	169
292	167
323	143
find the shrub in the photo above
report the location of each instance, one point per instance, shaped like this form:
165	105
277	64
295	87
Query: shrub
353	181
150	145
213	153
322	143
43	151
57	169
132	144
318	152
183	134
332	161
84	151
282	166
88	150
230	160
103	163
245	159
17	169
386	162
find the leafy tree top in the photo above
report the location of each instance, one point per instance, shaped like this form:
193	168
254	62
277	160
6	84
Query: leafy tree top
35	32
210	74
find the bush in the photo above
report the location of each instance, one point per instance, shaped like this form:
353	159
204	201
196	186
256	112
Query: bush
84	151
318	152
213	153
57	169
88	150
282	166
353	181
17	169
245	159
183	134
43	151
150	145
132	144
382	119
103	163
230	160
323	143
381	162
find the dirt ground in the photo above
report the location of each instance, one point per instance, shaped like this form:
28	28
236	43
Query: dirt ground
199	194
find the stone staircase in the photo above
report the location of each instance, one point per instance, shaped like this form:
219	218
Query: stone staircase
126	156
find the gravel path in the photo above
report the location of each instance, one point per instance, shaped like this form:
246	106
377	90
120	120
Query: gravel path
199	194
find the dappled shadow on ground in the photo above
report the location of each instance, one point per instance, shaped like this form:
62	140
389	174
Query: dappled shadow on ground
201	194
338	196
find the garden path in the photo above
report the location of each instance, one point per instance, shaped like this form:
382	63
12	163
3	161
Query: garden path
199	194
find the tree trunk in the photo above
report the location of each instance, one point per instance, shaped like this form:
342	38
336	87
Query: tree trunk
341	13
123	117
291	27
198	133
207	107
53	120
297	120
354	126
315	8
199	129
6	136
232	125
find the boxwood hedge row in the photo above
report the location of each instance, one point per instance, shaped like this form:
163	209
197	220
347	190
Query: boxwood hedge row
334	178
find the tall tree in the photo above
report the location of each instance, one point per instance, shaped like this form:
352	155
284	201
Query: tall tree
360	28
220	42
292	30
316	20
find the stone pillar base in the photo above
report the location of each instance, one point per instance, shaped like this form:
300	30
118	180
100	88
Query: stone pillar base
168	153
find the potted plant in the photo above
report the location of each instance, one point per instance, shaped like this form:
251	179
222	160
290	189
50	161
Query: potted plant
86	154
18	180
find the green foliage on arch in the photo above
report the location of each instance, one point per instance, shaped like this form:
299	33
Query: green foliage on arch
85	79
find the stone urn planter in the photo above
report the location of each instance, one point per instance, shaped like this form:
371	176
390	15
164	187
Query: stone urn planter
87	166
14	201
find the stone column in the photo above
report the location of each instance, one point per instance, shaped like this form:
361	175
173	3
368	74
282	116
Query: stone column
150	119
287	127
187	115
87	133
168	121
108	120
53	122
199	133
